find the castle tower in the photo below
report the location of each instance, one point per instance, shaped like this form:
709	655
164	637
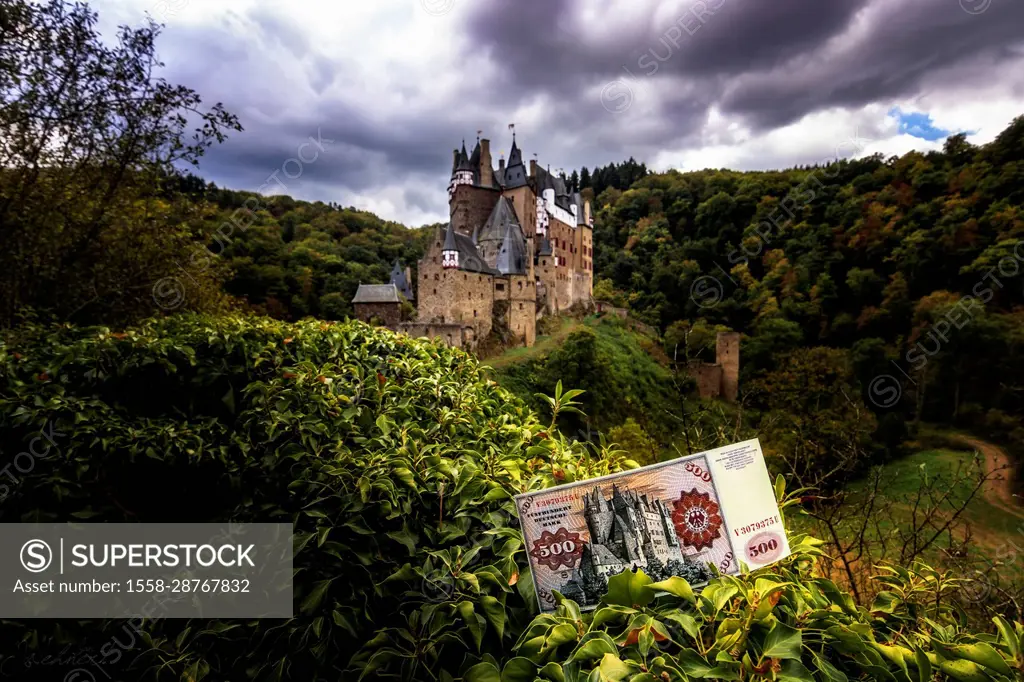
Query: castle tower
473	189
727	356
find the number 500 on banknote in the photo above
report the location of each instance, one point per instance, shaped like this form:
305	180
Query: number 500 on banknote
673	518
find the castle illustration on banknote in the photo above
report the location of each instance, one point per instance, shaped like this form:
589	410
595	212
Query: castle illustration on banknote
675	518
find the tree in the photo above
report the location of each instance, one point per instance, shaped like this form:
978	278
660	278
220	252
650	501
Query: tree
584	178
89	137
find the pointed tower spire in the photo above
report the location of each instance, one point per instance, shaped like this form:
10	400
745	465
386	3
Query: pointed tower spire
450	250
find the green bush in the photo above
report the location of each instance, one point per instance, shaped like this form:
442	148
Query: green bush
780	623
395	460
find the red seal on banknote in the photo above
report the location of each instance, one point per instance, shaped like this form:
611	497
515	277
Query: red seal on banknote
557	549
697	519
764	548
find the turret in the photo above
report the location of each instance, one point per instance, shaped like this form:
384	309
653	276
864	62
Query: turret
450	250
515	173
462	171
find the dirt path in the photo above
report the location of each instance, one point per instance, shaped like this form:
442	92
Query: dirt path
999	491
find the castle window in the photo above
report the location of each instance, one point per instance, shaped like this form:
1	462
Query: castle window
499	287
520	286
435	292
520	306
436	276
465	277
474	313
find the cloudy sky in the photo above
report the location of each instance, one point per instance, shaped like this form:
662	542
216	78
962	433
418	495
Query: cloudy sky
394	85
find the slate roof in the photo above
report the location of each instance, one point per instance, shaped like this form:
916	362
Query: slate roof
577	199
545	248
515	172
399	280
469	257
502	215
376	293
512	255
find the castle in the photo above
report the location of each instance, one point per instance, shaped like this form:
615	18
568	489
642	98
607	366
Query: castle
518	245
627	530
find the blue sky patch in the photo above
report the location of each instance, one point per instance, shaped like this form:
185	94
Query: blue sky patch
919	125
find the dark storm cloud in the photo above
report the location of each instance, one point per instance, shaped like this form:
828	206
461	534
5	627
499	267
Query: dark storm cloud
545	64
905	46
239	62
541	43
772	62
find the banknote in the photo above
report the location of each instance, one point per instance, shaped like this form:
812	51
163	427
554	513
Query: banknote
672	518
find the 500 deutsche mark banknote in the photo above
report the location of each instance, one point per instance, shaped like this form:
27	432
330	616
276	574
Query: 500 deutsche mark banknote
674	518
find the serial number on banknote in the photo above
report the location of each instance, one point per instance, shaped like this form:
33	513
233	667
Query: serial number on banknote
756	526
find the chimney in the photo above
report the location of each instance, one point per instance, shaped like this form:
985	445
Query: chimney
408	275
486	169
501	166
586	213
533	168
455	158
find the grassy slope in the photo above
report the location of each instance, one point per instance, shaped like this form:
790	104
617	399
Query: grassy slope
632	380
992	529
544	344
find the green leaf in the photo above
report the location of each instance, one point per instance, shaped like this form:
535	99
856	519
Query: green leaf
612	669
687	622
553	672
693	664
982	654
473	621
629	589
924	666
482	672
494	610
794	671
782	642
518	669
829	672
1007	635
314	598
593	645
675	586
964	671
561	634
610	613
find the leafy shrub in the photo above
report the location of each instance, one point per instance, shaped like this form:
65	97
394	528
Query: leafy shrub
394	458
779	623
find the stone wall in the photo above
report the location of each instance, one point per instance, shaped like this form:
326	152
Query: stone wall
708	378
523	308
471	206
721	379
606	307
453	296
456	335
525	204
387	314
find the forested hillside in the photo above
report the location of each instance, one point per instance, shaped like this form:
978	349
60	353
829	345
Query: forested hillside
297	258
910	267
